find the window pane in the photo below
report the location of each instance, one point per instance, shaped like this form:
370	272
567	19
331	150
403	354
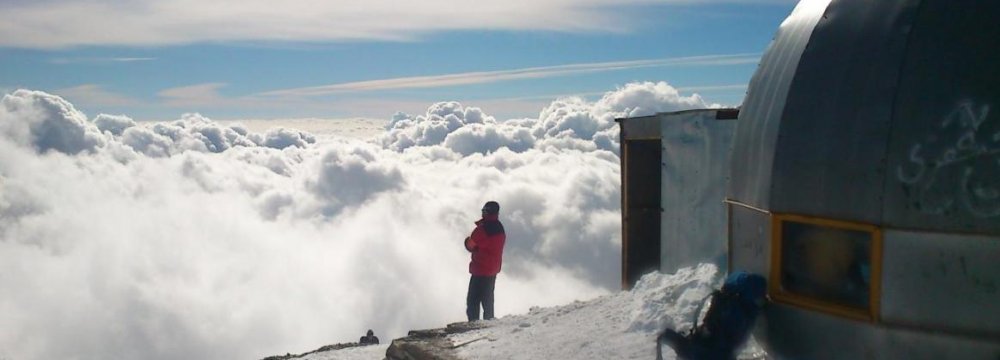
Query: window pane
826	263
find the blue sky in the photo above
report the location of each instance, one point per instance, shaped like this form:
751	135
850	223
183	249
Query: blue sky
154	60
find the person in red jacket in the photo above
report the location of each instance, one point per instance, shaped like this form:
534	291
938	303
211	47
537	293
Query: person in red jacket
486	245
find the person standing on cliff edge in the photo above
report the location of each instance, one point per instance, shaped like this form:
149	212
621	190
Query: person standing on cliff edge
486	245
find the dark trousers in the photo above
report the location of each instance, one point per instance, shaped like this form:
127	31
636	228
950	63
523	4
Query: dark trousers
480	292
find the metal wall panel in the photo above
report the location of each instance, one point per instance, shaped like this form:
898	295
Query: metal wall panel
829	156
749	240
757	129
941	281
792	333
639	128
944	158
695	158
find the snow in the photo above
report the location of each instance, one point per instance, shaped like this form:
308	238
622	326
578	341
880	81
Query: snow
355	353
618	326
623	325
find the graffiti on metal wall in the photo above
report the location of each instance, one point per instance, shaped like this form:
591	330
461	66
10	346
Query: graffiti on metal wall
957	167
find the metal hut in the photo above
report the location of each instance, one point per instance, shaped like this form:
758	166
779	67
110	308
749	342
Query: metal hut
674	172
865	181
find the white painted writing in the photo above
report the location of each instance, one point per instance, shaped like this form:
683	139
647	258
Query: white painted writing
958	167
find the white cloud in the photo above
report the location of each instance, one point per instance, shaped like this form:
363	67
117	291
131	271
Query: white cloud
192	239
46	122
479	138
115	124
64	23
637	99
356	128
280	138
566	123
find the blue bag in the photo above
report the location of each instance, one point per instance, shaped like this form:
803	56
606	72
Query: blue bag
727	324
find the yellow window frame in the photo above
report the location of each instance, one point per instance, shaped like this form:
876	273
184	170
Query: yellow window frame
779	294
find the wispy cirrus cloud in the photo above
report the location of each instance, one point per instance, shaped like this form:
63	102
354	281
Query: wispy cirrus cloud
549	97
194	95
480	77
209	97
710	88
70	23
94	95
98	60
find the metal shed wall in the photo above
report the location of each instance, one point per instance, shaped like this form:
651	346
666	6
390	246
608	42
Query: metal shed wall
696	154
693	172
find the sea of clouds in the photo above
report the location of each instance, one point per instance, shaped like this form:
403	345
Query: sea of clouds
191	239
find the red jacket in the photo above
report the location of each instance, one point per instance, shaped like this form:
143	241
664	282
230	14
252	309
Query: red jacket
486	245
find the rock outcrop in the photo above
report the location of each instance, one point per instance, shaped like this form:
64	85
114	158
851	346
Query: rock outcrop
322	349
430	344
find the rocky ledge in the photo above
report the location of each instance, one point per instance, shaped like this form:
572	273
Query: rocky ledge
430	344
322	349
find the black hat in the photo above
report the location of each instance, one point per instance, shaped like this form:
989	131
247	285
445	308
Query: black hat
491	207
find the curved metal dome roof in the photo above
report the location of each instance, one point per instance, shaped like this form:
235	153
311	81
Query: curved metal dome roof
884	112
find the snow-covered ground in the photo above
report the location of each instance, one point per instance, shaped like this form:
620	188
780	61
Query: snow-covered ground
355	353
618	326
623	325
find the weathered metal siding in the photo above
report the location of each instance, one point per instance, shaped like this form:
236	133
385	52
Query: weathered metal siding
696	149
830	153
640	128
760	116
931	286
944	158
793	333
749	240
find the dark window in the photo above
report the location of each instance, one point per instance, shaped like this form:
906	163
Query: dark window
827	265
